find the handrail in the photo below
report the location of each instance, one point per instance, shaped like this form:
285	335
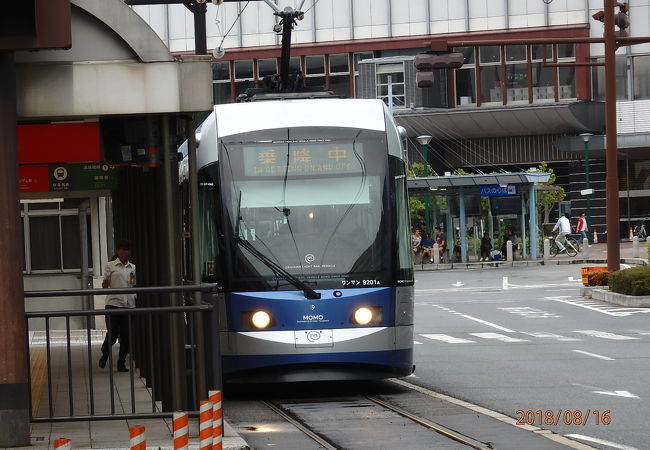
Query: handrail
207	288
117	311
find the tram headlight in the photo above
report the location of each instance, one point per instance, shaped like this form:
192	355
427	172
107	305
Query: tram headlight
261	319
363	316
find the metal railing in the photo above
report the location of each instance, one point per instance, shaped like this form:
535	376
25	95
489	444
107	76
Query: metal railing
79	390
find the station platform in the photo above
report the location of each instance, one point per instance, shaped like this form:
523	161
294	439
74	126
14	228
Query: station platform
100	434
596	254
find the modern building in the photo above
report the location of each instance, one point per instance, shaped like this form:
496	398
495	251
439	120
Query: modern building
505	108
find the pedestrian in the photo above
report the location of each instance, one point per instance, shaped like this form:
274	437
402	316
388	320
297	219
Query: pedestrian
119	272
486	247
563	226
582	227
441	239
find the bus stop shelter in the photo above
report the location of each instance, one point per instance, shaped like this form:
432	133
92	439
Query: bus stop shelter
487	185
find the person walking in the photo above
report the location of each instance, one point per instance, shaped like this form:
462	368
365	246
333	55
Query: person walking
563	226
119	272
582	227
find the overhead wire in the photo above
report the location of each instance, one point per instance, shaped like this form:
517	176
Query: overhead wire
233	24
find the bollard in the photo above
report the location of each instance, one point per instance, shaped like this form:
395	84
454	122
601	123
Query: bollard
436	253
635	247
62	444
205	425
509	250
585	248
138	438
631	233
217	420
595	236
547	248
181	431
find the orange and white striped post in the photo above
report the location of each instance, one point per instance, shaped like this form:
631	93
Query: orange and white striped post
217	420
138	438
205	425
62	444
181	431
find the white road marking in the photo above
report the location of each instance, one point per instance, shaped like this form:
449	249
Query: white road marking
504	283
600	441
485	322
417	343
570	278
605	335
606	358
498	337
617	393
528	312
599	307
420	292
448	339
458	284
544	335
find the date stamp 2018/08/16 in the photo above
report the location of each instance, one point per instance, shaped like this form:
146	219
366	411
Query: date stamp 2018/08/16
563	416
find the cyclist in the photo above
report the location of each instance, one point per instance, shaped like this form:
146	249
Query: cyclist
563	226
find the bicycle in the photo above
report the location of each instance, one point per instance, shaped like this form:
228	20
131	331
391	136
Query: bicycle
639	230
570	244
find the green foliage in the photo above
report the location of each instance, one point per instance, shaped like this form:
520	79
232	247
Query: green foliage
634	281
416	208
546	200
458	172
648	245
417	170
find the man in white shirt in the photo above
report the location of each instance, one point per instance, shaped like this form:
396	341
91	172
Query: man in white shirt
118	273
564	226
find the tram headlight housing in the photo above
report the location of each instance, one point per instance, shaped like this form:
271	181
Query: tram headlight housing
257	320
367	315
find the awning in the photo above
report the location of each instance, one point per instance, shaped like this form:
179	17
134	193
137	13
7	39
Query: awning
487	121
427	184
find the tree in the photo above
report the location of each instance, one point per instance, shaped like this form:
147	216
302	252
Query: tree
547	199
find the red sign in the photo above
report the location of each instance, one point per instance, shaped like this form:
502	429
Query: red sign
34	178
58	143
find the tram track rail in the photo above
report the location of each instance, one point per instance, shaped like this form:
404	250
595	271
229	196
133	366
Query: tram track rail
292	416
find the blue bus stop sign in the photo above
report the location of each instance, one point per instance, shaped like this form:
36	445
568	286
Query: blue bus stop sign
495	190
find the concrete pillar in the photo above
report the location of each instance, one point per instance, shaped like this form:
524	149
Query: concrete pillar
547	249
635	247
14	391
436	253
509	251
585	248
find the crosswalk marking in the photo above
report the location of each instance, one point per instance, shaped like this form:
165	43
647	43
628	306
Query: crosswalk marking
447	338
605	335
616	311
557	337
498	337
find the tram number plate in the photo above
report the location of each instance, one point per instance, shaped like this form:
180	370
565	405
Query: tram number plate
314	338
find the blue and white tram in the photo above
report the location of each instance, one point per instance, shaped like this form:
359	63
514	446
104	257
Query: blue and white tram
304	222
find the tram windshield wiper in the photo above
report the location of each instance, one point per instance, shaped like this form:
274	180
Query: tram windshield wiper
277	269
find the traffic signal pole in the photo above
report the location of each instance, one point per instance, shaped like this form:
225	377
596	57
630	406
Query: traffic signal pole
611	157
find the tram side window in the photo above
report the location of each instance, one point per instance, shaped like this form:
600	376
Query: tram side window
208	244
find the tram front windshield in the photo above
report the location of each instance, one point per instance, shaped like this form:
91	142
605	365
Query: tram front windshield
312	200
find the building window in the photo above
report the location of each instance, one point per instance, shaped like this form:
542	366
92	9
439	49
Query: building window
51	236
566	75
466	78
390	84
517	73
339	65
358	57
543	77
315	71
221	82
598	79
243	76
641	67
490	73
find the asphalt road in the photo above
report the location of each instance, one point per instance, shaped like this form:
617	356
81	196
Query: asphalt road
529	342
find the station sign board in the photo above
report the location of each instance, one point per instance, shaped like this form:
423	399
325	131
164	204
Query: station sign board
67	177
495	190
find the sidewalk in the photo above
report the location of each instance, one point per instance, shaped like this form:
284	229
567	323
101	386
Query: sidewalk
596	254
112	434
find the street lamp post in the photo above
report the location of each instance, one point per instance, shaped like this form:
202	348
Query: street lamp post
424	142
585	138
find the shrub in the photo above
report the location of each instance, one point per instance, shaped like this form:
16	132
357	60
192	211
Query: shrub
598	278
634	281
648	245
